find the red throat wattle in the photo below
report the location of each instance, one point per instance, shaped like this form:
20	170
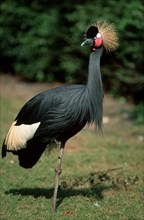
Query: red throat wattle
97	43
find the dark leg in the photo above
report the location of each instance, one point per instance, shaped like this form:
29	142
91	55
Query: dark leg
57	176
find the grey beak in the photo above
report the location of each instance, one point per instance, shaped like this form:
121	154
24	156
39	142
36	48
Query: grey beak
87	42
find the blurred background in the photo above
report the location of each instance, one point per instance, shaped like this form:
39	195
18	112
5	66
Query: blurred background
40	41
40	49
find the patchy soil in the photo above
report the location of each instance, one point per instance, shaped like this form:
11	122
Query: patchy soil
115	110
107	177
17	88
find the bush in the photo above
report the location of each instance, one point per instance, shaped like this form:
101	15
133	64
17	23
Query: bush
41	41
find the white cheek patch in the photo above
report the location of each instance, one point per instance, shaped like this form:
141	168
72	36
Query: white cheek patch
98	35
18	135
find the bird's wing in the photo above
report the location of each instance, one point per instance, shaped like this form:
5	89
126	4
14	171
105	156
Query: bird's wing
45	117
35	109
28	121
64	116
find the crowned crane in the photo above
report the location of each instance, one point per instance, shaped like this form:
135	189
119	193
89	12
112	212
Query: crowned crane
58	114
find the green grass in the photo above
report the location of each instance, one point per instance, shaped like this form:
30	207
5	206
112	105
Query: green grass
27	194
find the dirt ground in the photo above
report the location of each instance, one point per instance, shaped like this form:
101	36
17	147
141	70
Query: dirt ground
17	88
115	119
116	111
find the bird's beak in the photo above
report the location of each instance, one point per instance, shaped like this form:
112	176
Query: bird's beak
87	42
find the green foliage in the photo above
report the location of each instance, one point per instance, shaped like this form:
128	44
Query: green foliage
41	40
27	38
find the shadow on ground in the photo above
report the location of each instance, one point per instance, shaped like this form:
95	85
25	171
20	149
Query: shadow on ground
96	191
91	186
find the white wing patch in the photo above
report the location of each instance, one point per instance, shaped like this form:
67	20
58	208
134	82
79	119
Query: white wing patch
18	135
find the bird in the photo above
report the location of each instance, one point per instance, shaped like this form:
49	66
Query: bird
55	115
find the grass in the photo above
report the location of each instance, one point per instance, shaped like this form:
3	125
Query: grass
90	188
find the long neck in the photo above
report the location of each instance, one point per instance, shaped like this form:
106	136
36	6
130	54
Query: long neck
94	89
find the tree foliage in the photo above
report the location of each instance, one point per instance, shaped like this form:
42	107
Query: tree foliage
41	40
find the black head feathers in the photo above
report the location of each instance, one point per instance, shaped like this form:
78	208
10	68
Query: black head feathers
92	32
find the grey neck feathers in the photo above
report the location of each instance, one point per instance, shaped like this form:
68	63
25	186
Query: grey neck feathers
94	89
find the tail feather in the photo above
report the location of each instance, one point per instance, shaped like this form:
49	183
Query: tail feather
29	156
4	150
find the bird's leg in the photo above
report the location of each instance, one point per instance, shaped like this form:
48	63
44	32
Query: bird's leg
57	176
